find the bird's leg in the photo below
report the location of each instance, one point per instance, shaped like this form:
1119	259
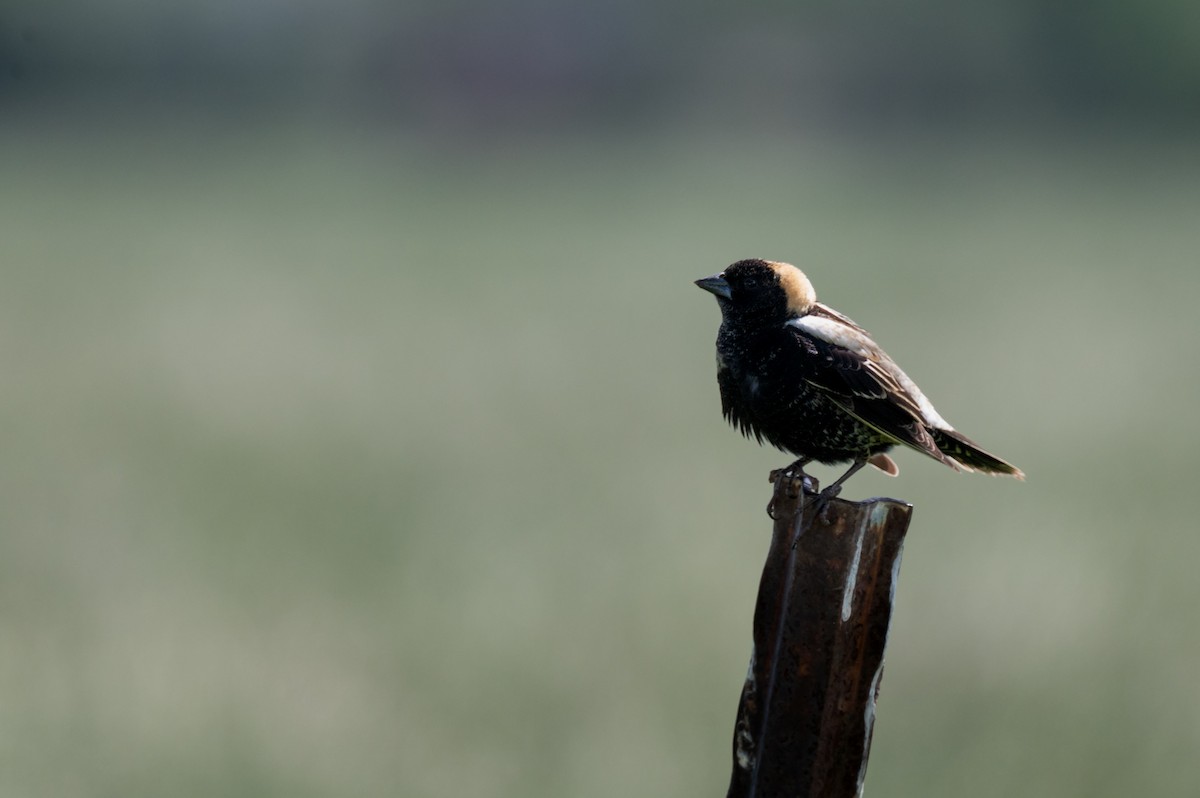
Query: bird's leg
796	469
821	502
791	473
836	488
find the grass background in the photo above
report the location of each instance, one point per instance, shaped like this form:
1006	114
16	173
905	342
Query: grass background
344	462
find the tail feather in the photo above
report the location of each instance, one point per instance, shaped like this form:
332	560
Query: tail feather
966	452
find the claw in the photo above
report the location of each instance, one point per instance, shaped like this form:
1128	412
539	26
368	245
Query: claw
785	479
797	483
820	502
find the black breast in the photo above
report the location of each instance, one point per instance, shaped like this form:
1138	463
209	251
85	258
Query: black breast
765	394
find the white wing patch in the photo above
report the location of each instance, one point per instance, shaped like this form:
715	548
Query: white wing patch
853	339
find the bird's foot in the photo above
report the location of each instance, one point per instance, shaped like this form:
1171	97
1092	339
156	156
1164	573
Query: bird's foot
818	505
793	480
795	470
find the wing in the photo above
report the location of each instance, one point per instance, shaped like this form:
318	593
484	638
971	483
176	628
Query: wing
859	376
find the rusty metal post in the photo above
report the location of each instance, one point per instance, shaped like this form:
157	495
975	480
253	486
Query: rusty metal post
821	621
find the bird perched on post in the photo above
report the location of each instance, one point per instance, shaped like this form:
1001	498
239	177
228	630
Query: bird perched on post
812	382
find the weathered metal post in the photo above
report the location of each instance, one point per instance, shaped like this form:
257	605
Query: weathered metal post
821	621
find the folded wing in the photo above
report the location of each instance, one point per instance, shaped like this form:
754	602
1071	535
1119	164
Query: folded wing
860	377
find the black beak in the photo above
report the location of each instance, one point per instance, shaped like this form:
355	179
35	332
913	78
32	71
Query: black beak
715	285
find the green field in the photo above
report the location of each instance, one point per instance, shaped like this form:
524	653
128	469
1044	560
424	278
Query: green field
344	462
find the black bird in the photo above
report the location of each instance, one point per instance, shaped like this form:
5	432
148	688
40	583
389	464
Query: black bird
813	383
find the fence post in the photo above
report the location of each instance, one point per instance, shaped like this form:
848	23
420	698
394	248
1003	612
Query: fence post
821	621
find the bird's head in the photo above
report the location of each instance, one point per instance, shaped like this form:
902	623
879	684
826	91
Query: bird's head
761	288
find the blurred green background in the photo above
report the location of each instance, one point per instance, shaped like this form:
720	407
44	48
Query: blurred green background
361	434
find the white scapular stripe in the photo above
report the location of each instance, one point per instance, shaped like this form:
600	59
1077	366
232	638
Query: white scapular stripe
838	334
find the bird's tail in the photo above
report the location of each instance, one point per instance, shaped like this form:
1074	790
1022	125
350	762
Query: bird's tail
966	452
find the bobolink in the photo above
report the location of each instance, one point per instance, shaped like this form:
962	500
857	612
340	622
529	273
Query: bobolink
813	383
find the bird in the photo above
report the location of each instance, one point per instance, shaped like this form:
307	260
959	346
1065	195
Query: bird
812	382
